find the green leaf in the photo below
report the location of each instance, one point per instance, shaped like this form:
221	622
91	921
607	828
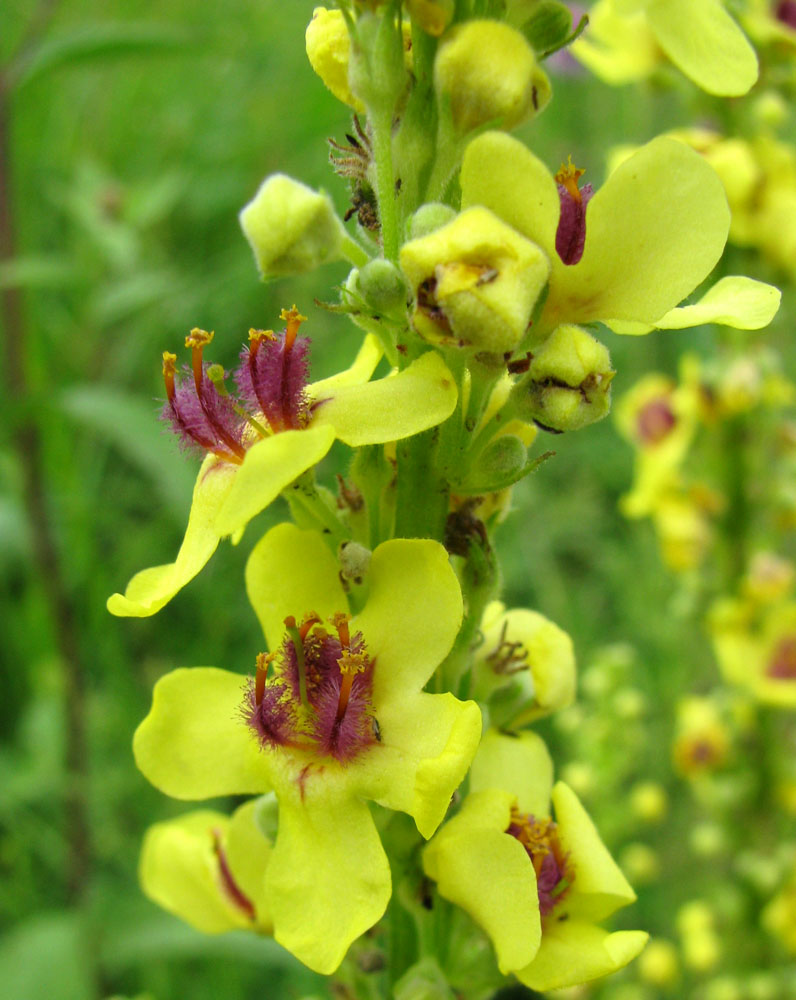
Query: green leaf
130	424
548	28
97	41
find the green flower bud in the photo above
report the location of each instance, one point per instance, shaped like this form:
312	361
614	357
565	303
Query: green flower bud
427	218
568	385
475	282
488	72
291	228
382	286
499	465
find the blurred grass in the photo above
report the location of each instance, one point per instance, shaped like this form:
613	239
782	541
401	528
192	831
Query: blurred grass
137	132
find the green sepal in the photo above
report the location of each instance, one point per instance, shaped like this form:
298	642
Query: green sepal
549	26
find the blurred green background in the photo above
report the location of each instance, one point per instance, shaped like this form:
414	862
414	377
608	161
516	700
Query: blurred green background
133	131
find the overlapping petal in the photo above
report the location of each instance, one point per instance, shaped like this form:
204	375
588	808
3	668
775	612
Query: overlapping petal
654	230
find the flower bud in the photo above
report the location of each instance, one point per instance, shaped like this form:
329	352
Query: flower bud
382	286
291	228
433	16
329	53
475	281
525	666
488	72
427	218
499	465
568	385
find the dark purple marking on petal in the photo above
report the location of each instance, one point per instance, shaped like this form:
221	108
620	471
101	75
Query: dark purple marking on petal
571	232
783	663
230	887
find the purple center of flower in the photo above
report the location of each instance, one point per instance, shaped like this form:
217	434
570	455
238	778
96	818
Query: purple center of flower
571	232
786	12
539	837
782	665
654	421
271	380
316	692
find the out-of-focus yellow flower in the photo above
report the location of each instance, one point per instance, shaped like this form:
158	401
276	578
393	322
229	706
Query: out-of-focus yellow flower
769	578
699	37
648	801
659	963
779	916
684	533
757	650
696	925
702	739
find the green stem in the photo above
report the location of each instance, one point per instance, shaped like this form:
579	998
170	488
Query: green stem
353	252
422	493
385	182
303	493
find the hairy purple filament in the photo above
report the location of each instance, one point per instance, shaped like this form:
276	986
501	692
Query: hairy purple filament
571	232
203	418
786	12
271	379
337	719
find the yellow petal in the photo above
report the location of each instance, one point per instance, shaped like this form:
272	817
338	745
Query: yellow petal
734	301
152	588
421	396
292	572
194	744
520	765
269	467
362	367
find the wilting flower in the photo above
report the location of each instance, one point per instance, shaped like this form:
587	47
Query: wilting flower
283	428
699	37
335	716
209	869
536	885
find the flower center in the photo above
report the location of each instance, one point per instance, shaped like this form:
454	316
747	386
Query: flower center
571	232
315	693
271	381
782	665
655	421
554	874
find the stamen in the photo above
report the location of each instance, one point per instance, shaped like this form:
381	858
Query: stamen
228	883
197	340
294	319
169	371
298	644
340	621
350	665
263	662
568	176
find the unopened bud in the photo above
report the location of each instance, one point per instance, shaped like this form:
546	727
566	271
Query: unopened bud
498	465
488	72
382	286
427	218
568	385
433	16
291	228
329	53
475	281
